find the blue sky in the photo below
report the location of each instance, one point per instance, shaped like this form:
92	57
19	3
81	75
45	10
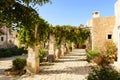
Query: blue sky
74	12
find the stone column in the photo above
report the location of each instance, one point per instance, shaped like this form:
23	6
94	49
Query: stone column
67	48
117	27
118	56
33	60
73	46
51	56
62	48
57	53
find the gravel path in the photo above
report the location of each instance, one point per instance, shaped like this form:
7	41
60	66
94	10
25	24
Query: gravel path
72	66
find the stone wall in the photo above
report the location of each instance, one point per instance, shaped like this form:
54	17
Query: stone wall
117	27
101	27
117	21
117	12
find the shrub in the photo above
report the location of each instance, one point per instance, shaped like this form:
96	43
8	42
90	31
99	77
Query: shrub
22	51
106	55
91	54
57	44
19	63
103	73
109	52
7	53
13	50
1	54
70	46
42	54
83	46
2	49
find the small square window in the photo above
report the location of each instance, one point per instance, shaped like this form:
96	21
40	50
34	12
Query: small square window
16	36
109	36
2	38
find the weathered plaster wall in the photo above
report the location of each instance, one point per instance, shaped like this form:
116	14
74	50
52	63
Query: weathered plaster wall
117	12
117	27
117	21
102	26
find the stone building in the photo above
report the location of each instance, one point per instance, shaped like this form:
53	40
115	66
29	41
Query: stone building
106	28
8	38
101	29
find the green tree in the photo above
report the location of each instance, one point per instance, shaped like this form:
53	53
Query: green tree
27	35
67	33
21	15
19	12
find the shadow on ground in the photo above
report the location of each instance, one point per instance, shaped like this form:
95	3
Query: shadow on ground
61	61
75	54
1	72
68	70
5	78
72	57
46	64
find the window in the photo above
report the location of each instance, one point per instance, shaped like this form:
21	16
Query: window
109	36
2	39
16	36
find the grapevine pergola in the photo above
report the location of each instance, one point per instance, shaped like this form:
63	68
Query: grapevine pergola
33	30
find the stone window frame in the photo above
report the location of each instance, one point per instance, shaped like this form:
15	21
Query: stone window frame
108	35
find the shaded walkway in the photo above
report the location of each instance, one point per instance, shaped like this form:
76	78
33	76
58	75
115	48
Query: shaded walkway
72	66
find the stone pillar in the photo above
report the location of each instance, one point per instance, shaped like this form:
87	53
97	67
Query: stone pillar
117	12
51	56
62	48
73	46
117	27
57	53
67	48
33	60
118	55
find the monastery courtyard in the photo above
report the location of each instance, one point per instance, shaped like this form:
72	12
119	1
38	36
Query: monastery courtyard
72	66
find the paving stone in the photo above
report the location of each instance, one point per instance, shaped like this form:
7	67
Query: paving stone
72	66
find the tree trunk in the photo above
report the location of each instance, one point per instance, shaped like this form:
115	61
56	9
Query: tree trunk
51	55
67	48
62	47
73	45
33	56
57	53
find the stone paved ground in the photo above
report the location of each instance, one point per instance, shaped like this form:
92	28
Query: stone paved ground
6	63
70	67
